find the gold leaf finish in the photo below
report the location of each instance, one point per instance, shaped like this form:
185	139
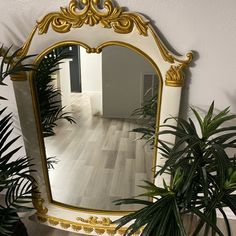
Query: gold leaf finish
94	220
187	61
21	76
76	227
53	222
25	48
38	203
99	229
87	229
175	75
121	231
65	225
88	12
111	232
165	53
43	219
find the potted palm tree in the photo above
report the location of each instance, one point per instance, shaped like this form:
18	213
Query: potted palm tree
16	182
203	179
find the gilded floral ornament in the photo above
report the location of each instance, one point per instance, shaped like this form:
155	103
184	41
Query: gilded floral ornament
88	12
38	203
175	75
91	225
94	220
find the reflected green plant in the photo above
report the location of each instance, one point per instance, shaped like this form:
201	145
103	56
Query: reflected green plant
146	119
48	94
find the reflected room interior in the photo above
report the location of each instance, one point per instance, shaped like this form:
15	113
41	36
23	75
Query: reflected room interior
98	116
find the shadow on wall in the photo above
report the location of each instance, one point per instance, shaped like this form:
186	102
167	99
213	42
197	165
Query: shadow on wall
184	105
232	100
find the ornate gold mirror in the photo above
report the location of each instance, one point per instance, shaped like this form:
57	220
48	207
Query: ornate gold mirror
93	108
103	66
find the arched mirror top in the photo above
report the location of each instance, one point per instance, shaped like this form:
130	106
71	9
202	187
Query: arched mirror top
82	20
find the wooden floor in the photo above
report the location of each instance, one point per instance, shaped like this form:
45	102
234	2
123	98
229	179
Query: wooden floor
100	160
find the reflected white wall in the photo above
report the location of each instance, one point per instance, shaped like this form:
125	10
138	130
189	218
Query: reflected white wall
91	71
91	78
65	85
123	72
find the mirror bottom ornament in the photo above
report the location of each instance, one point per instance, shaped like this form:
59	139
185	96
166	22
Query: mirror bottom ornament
94	225
38	202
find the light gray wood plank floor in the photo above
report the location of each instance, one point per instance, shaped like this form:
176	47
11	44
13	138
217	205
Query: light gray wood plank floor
100	160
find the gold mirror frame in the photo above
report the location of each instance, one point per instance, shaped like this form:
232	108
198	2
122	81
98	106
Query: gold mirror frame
38	122
85	14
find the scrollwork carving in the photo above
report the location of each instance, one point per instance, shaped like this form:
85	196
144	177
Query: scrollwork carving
100	227
175	75
64	225
38	204
105	221
88	12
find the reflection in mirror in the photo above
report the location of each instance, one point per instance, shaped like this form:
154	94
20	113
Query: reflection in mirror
98	112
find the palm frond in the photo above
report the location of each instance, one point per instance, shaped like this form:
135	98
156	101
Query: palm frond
48	95
146	117
15	172
15	177
12	65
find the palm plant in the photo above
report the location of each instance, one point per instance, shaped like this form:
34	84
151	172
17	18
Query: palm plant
16	182
49	104
203	183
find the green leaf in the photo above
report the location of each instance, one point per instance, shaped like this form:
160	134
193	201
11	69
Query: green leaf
226	221
178	219
207	220
200	121
153	190
230	201
208	117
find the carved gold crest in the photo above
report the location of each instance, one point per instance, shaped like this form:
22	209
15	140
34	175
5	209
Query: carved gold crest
88	12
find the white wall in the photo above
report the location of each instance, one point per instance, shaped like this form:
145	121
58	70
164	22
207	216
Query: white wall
207	27
64	81
91	79
122	71
91	71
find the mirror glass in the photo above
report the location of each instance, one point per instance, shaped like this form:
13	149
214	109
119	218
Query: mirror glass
98	115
